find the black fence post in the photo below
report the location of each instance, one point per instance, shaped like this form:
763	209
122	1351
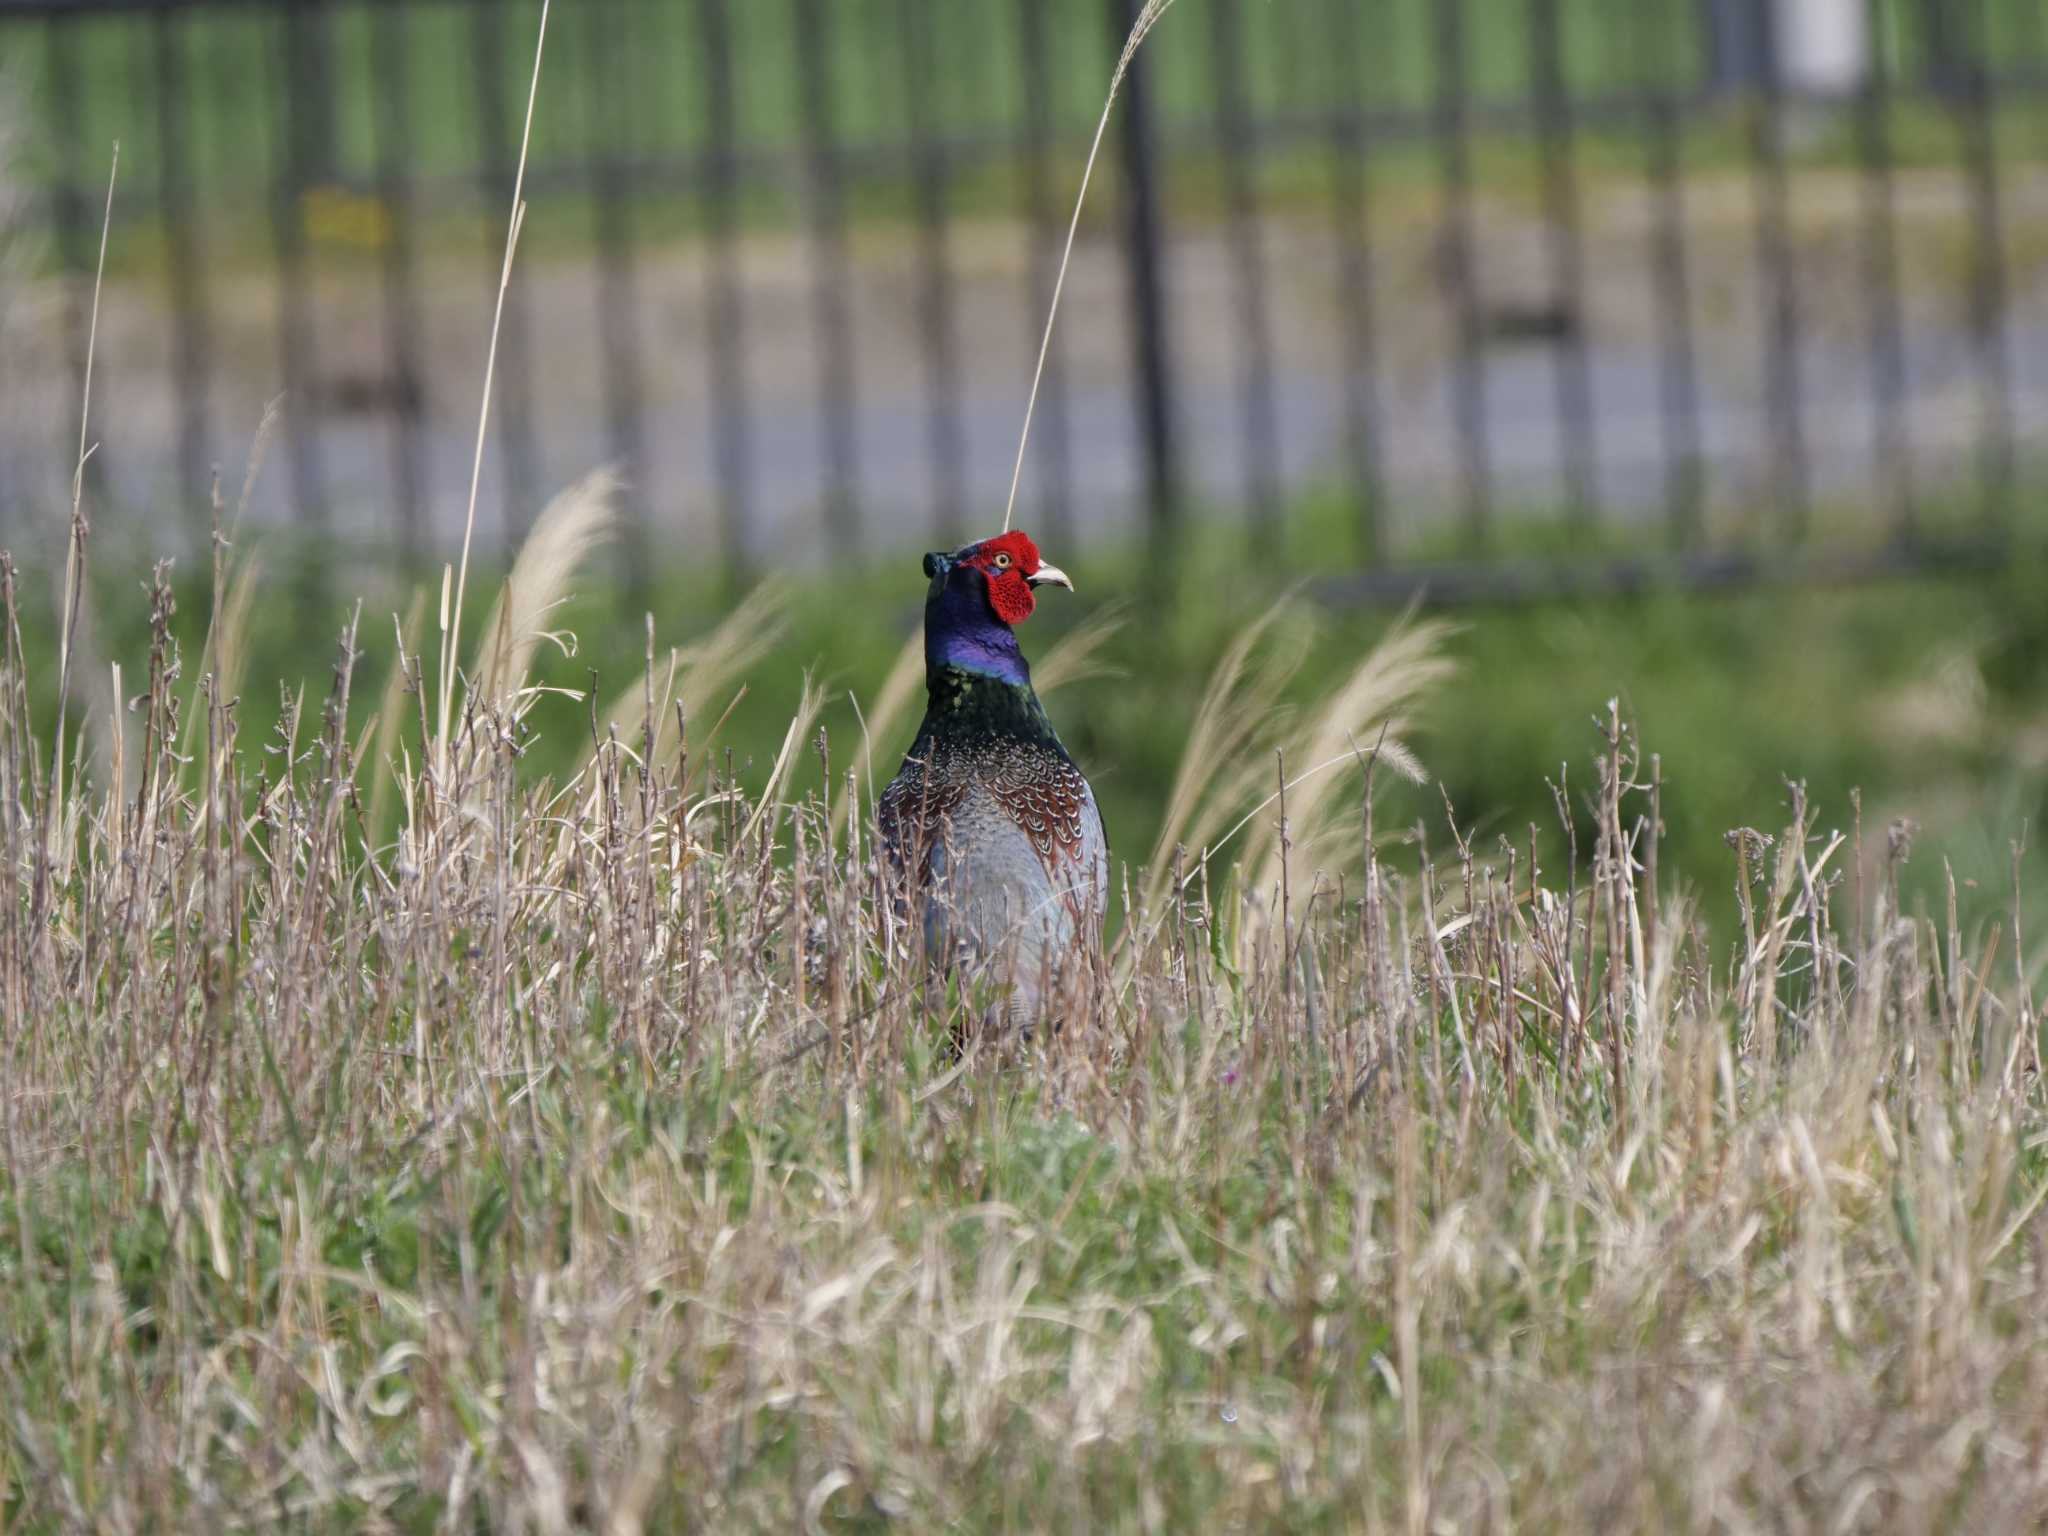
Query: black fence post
514	424
1734	45
296	152
1946	68
67	203
1778	277
1351	212
1260	430
838	402
920	21
185	270
407	393
724	304
618	291
1977	123
1574	382
1460	275
1891	447
1152	377
1678	390
1051	438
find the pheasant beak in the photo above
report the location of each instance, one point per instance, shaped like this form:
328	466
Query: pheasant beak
1050	576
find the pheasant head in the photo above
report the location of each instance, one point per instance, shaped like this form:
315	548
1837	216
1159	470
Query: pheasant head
977	594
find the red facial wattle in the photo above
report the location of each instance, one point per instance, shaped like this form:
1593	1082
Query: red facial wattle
1008	561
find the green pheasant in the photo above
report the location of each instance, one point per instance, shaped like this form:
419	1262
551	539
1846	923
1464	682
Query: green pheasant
989	828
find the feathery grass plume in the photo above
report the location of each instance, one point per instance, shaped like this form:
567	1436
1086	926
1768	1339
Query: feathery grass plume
229	633
1367	712
1073	659
1237	712
1148	18
576	522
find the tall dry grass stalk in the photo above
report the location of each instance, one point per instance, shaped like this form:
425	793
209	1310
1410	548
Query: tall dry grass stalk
75	544
572	525
451	617
1229	782
1237	705
1148	17
1363	720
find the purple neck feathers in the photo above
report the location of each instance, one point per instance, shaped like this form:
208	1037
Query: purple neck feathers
960	630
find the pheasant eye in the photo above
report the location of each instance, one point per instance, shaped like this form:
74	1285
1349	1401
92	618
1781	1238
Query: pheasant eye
1002	562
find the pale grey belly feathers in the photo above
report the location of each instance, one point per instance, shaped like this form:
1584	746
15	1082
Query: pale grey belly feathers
1010	880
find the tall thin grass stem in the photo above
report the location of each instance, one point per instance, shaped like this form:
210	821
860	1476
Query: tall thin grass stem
1148	18
74	557
451	636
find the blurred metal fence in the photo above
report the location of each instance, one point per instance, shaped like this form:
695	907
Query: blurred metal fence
1424	283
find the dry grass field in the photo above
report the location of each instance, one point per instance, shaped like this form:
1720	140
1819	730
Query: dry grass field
396	1139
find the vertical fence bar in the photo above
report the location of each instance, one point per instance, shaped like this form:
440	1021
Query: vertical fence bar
1778	278
311	42
67	204
607	89
185	271
1731	39
919	22
1051	438
1946	57
1988	330
1144	263
497	145
1573	384
1677	369
409	402
1259	430
836	376
295	152
1351	212
1468	369
724	305
1891	449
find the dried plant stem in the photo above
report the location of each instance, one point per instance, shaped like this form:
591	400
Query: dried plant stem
74	557
1148	18
451	619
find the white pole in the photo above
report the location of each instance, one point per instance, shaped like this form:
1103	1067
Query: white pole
1823	46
